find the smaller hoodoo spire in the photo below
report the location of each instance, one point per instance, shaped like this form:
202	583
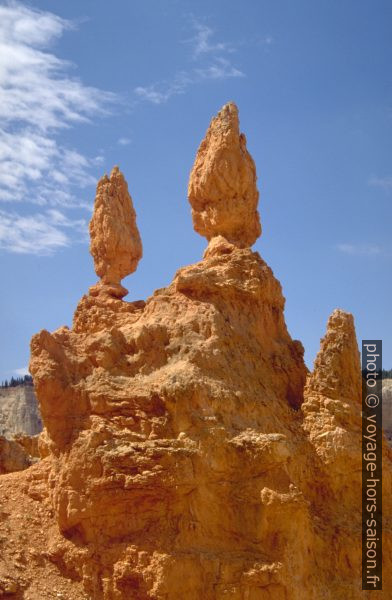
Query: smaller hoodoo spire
115	241
337	368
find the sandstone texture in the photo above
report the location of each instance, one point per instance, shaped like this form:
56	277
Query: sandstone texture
30	443
222	186
28	540
19	412
332	409
115	241
188	453
13	456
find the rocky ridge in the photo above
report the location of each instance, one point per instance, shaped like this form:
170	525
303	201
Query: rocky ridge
188	453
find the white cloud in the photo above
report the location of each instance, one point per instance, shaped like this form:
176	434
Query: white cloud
37	100
213	64
202	42
29	26
40	234
124	141
359	249
221	69
383	182
153	94
22	371
99	159
159	93
34	87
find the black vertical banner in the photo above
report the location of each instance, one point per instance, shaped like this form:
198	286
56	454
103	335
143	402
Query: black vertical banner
371	464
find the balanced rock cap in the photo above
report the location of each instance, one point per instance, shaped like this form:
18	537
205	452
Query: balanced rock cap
222	185
115	241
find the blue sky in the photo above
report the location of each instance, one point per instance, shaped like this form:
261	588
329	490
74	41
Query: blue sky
85	86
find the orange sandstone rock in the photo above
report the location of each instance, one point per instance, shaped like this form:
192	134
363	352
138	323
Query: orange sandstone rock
337	369
115	241
176	421
332	409
13	456
183	457
222	186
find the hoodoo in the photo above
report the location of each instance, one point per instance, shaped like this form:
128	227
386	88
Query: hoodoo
222	186
115	241
187	452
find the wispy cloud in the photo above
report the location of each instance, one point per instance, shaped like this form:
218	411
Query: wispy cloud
221	69
152	94
360	249
124	141
213	63
40	234
262	40
21	372
158	93
38	99
382	182
202	41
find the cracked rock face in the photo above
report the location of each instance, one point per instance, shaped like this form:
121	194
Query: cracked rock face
222	186
115	241
185	456
170	435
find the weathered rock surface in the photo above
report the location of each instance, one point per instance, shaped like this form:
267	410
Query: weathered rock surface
332	408
13	457
168	437
115	241
19	412
185	456
222	186
30	443
29	536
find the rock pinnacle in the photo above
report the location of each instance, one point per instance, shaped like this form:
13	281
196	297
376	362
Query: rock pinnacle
222	185
115	241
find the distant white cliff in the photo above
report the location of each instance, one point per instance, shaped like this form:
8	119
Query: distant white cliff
19	412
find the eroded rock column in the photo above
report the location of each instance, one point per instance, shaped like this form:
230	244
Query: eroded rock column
115	241
222	185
